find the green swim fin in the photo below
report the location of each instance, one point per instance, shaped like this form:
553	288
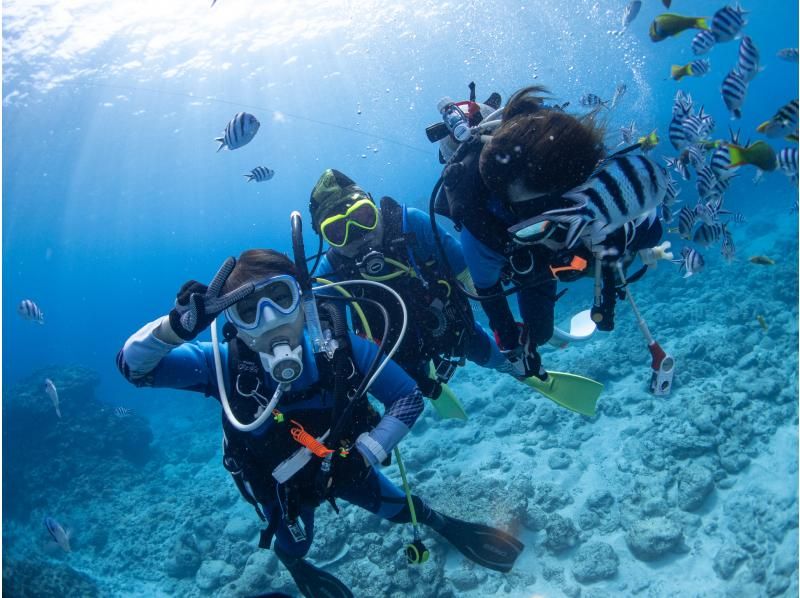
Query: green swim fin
448	406
489	547
574	392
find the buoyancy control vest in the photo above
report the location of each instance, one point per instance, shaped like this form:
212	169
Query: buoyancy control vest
440	318
251	457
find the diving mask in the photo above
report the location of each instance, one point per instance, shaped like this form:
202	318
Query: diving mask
274	302
533	231
362	214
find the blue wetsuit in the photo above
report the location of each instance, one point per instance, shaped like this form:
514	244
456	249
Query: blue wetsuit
146	360
478	346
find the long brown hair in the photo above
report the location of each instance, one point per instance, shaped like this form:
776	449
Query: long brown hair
547	150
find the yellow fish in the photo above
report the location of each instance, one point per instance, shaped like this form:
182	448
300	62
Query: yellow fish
762	321
762	260
759	154
648	142
669	25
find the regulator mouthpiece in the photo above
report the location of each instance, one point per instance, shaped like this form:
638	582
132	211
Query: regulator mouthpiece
284	364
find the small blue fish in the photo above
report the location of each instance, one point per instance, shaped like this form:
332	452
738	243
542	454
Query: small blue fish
239	131
52	392
30	311
260	174
57	532
788	54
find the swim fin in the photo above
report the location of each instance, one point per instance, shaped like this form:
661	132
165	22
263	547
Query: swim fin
448	406
574	392
484	545
312	581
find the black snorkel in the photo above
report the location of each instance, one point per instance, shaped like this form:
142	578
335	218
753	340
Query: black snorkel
319	343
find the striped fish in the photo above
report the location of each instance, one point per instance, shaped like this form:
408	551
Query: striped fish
626	188
728	248
30	311
672	192
698	127
666	214
783	123
694	155
728	22
618	93
706	234
710	212
52	392
677	134
787	162
60	536
122	412
707	184
788	54
721	163
679	166
628	134
691	262
239	131
734	90
747	64
682	104
260	174
737	218
696	68
686	220
591	100
703	42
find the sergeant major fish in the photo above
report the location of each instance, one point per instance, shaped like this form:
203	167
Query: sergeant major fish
691	262
728	248
626	188
787	162
788	54
52	392
618	93
748	61
669	25
30	311
734	90
703	42
783	123
260	174
630	12
686	220
591	99
57	532
239	131
728	22
706	234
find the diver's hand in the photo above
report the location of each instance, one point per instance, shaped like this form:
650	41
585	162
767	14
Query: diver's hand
650	257
196	305
525	361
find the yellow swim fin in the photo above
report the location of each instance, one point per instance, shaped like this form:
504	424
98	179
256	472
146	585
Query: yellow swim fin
448	406
574	392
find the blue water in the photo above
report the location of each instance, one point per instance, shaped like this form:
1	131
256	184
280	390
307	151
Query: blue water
113	194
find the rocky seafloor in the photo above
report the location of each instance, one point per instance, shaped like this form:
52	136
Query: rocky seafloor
694	494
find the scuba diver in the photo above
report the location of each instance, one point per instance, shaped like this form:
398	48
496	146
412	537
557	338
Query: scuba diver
538	202
393	244
298	429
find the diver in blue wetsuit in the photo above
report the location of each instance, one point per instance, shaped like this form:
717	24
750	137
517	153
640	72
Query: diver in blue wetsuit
394	244
297	427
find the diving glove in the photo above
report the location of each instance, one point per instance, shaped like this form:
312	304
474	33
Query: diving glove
523	361
651	256
196	305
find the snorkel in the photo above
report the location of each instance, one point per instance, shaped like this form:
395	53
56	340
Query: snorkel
319	343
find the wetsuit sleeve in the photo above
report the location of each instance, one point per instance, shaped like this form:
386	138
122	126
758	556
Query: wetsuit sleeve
419	223
398	393
324	269
146	360
485	265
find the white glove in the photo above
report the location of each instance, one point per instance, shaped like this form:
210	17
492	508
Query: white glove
651	256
